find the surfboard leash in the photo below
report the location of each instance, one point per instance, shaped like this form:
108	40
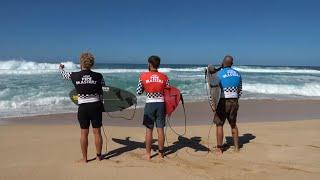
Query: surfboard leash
168	119
208	96
106	137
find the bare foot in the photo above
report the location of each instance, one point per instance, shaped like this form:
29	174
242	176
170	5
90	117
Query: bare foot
218	152
161	156
82	161
147	156
236	150
99	158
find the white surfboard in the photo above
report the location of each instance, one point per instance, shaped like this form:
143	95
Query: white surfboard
213	85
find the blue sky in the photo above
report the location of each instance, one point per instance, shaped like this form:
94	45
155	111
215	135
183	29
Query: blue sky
269	32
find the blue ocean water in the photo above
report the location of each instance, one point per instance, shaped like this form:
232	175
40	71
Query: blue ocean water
32	88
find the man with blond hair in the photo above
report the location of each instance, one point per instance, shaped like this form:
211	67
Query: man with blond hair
88	85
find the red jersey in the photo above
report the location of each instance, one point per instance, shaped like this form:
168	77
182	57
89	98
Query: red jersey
153	83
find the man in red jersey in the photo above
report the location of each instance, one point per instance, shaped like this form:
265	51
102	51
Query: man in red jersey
154	83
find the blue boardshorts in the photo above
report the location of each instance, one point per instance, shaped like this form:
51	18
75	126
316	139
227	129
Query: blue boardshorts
154	113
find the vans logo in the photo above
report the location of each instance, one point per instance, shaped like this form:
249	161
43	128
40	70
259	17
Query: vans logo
154	79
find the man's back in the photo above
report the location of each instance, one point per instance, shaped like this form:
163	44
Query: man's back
88	85
230	83
153	83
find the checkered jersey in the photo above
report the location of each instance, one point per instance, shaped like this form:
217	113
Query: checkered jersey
87	83
230	82
151	96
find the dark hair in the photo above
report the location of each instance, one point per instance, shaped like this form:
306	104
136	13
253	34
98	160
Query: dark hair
154	61
228	56
227	63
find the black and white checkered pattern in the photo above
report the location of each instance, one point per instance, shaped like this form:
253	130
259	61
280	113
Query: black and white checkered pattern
86	96
140	88
65	75
230	89
155	95
232	92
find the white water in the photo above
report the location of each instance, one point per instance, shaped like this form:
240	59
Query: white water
28	87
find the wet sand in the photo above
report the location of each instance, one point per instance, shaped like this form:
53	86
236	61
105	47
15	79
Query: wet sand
198	113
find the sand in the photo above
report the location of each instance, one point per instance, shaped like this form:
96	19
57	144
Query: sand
271	150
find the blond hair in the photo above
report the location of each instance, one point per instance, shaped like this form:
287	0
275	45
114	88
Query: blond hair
86	60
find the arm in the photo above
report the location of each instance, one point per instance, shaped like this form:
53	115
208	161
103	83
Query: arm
65	75
140	88
168	84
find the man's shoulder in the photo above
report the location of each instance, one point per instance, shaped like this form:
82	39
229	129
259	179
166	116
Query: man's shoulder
96	74
163	74
144	74
225	70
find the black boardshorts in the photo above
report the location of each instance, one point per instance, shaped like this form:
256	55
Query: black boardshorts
154	113
227	109
90	112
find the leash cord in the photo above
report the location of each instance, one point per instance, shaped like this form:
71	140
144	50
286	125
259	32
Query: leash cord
185	121
106	137
208	96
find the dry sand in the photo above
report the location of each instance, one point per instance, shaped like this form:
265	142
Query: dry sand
271	150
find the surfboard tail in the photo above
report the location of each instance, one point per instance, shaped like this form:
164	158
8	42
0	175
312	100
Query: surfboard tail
172	98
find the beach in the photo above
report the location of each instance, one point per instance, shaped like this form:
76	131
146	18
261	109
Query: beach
279	141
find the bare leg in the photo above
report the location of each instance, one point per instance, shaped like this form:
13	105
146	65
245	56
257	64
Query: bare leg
161	140
148	143
84	145
98	142
235	135
219	134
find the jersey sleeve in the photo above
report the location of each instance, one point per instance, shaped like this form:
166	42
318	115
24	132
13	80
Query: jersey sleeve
167	83
65	75
140	88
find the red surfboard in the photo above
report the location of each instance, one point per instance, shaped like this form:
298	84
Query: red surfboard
172	97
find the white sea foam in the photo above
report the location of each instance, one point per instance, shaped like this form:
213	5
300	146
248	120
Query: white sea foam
248	69
309	89
29	67
33	95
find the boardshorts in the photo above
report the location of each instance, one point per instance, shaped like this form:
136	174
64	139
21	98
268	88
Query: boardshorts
227	109
90	112
154	113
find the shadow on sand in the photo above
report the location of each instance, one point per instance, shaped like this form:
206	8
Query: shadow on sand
244	139
182	142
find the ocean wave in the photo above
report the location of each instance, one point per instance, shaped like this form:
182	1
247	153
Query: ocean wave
23	67
248	69
308	90
30	67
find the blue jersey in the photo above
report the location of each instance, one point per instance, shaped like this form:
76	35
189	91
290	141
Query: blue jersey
230	82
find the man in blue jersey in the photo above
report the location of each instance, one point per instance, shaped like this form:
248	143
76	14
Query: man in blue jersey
231	89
